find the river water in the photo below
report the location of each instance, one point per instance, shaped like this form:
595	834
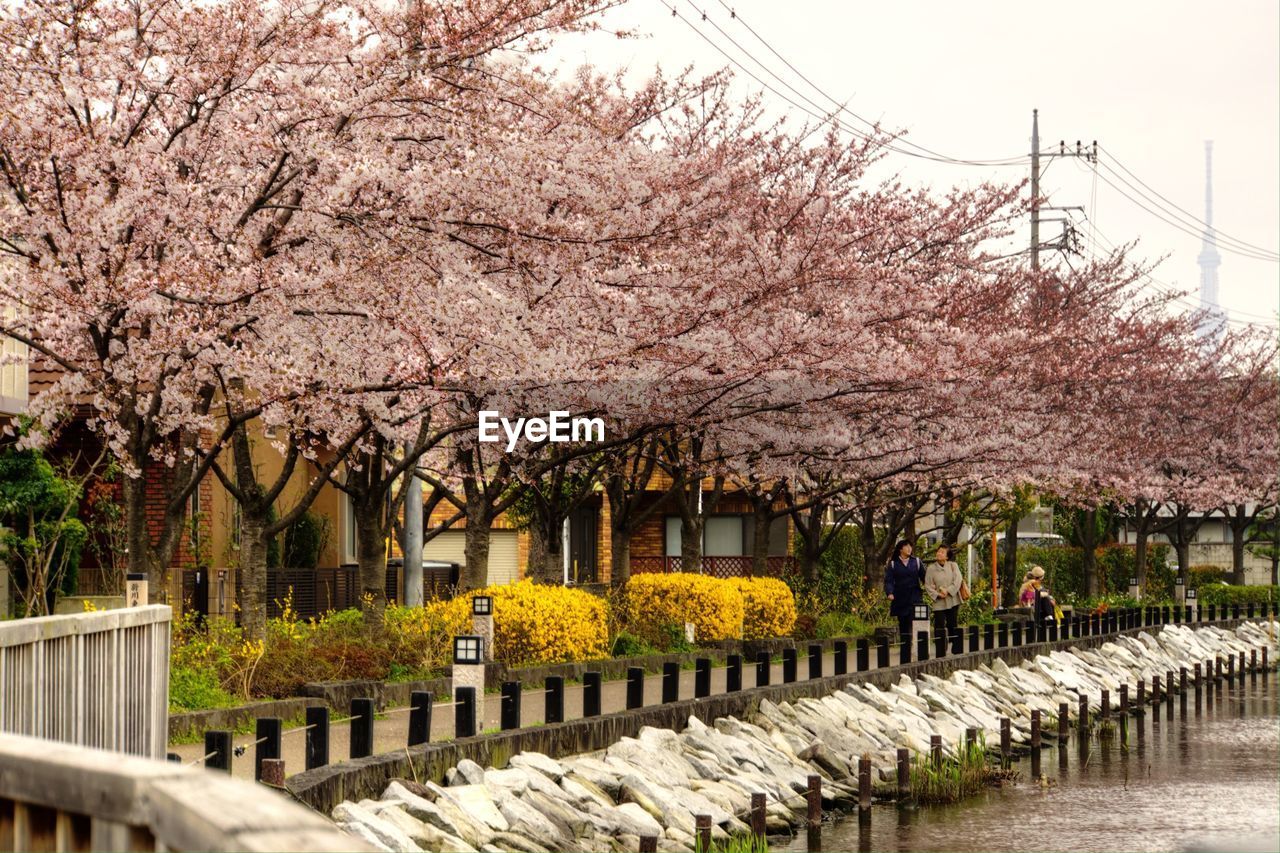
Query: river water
1196	780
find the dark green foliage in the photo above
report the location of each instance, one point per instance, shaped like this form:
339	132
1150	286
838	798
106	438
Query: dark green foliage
44	539
1064	572
627	645
1216	593
304	540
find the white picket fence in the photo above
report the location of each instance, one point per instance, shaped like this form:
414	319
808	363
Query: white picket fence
94	679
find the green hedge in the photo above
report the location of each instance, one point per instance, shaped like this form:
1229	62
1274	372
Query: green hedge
1226	594
1064	573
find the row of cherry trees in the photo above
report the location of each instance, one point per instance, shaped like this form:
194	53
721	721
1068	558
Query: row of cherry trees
360	223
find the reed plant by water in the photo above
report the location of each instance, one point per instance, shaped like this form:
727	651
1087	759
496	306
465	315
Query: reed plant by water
956	778
735	844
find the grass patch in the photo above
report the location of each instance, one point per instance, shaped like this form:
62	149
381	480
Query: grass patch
956	778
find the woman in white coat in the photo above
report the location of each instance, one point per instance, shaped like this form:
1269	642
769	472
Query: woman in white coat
942	581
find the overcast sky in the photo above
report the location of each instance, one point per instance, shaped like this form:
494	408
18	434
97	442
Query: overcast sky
1151	81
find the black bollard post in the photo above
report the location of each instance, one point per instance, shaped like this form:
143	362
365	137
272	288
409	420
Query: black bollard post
635	688
839	657
1016	632
862	655
267	732
317	737
762	670
1235	611
904	650
361	745
1003	634
973	638
1212	615
420	703
701	678
988	637
957	641
671	682
815	661
217	749
882	652
788	666
922	646
509	709
591	694
464	712
733	673
554	711
940	645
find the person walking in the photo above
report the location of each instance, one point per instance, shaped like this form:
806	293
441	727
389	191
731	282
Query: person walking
942	582
902	582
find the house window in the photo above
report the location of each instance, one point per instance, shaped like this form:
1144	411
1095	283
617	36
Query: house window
722	536
673	535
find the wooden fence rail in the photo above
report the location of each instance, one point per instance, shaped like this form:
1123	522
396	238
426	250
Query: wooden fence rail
94	679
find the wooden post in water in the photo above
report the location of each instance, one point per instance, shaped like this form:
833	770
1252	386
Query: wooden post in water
1063	722
702	826
815	800
1155	691
935	751
904	773
758	827
1104	706
1124	700
648	844
1035	744
1142	697
864	783
1083	717
1005	742
273	772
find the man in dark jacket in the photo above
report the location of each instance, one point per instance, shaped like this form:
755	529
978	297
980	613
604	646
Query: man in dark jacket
902	585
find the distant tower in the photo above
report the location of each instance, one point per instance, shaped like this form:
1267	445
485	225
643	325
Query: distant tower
1209	259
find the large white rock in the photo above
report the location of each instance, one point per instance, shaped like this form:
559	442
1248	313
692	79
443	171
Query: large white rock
390	835
541	763
477	802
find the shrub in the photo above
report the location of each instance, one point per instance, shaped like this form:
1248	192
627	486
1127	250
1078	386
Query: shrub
628	645
652	601
421	638
539	623
1198	576
304	540
196	689
1216	593
830	625
769	607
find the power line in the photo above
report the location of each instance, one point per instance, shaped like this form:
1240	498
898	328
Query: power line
1003	161
819	116
1187	214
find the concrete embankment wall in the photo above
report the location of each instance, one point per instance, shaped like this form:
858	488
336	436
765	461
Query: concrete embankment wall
325	787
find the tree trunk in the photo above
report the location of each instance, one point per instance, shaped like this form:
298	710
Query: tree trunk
371	558
691	542
871	561
1140	560
138	543
619	554
1182	548
1237	558
546	558
1009	586
760	541
475	574
1087	519
251	576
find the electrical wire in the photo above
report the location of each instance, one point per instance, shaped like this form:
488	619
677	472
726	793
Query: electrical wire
1185	213
1017	160
819	115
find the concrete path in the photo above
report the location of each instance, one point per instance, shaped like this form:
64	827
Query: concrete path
391	727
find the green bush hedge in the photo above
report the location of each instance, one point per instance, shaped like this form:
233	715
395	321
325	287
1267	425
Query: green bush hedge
1225	594
1064	573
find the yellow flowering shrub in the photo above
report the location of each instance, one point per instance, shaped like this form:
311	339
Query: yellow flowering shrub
422	637
538	623
653	602
769	608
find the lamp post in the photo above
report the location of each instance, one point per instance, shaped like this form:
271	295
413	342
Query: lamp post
920	622
468	682
482	622
1134	592
1179	592
1193	606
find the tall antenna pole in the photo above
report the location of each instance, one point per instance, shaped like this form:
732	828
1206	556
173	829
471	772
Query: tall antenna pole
1035	189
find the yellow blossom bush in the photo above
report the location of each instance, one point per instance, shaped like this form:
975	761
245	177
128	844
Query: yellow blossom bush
422	637
653	602
538	623
769	608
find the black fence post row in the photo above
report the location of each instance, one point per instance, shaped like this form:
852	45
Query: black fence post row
701	678
788	666
317	737
266	734
670	682
509	715
555	699
882	652
420	706
815	661
988	637
862	655
840	657
361	727
635	687
733	673
217	748
922	646
763	665
591	694
464	712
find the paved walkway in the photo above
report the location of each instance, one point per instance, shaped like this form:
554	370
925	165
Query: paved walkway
391	727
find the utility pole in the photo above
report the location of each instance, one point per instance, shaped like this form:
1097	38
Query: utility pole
1068	242
412	536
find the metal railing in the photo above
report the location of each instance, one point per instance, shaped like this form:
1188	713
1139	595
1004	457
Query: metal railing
720	567
95	679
